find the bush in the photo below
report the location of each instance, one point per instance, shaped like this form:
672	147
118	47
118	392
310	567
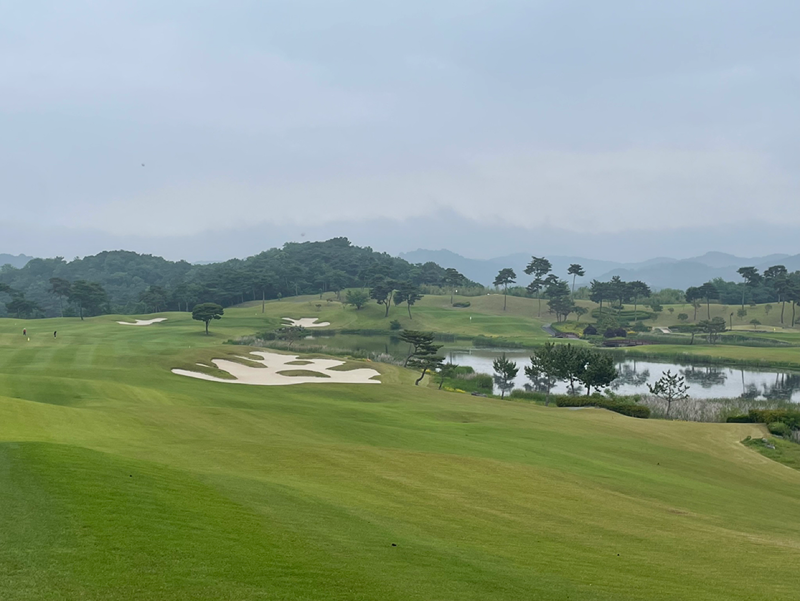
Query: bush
470	381
590	330
780	429
395	325
524	395
615	333
484	382
462	305
738	419
788	417
618	406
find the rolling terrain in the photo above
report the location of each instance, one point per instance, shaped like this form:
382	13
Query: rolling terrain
120	480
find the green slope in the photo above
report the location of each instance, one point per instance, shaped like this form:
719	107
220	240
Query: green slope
120	480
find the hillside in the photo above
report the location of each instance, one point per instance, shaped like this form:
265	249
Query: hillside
17	261
294	269
181	488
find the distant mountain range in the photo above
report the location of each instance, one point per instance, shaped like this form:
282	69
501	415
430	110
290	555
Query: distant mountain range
18	261
661	272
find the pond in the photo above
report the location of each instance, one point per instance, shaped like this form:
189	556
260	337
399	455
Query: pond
705	382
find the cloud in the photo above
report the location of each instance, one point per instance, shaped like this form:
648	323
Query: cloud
583	116
637	189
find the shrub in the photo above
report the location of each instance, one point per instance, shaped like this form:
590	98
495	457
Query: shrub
462	304
484	382
615	333
518	393
789	417
780	429
618	406
395	325
738	419
590	330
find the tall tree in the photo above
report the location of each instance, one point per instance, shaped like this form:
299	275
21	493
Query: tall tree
62	289
598	371
619	289
155	297
452	278
89	296
793	292
777	277
560	301
638	289
575	270
505	371
671	388
751	279
418	341
357	298
22	307
408	293
568	363
504	278
427	360
538	267
598	292
693	296
205	312
708	291
543	371
382	291
712	328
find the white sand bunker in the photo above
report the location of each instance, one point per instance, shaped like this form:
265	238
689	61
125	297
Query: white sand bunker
270	368
142	322
306	322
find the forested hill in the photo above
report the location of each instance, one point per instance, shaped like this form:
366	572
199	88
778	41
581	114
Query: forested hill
136	283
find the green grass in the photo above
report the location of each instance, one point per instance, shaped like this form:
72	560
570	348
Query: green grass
120	480
785	452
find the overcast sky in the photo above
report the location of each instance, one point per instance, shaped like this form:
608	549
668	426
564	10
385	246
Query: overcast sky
561	117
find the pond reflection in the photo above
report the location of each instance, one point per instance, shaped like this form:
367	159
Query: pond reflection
706	382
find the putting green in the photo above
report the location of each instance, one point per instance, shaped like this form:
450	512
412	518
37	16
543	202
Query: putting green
120	480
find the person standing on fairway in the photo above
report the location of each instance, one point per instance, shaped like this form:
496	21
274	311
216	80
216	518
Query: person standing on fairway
54	333
24	331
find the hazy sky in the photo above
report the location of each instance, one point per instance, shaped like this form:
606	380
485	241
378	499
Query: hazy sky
258	117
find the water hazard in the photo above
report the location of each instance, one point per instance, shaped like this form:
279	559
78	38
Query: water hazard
706	382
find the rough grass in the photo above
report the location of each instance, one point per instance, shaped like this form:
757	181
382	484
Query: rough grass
784	451
120	480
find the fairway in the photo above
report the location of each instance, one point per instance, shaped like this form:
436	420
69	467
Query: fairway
121	480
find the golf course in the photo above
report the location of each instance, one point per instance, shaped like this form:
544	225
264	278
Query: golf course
120	479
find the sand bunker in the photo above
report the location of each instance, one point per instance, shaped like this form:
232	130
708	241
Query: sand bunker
306	322
267	371
142	322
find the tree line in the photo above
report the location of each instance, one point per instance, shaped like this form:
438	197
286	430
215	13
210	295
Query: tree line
128	282
775	284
